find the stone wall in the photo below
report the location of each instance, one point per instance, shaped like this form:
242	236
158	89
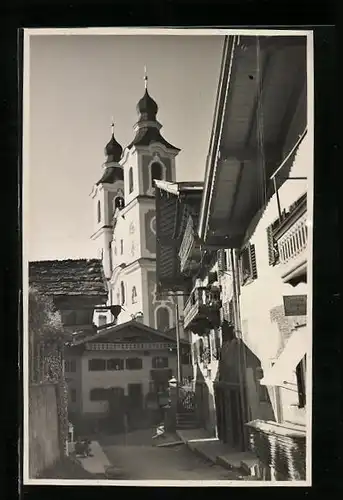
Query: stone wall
44	442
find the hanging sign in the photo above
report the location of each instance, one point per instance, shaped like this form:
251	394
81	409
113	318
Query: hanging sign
295	305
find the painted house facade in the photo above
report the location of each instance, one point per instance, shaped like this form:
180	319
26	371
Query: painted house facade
243	256
255	206
121	372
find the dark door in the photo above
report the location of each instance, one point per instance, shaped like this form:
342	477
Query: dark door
116	405
135	393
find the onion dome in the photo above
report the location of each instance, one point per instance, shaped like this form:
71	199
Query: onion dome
147	107
113	150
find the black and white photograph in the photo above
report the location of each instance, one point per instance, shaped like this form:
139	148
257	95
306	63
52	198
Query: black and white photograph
167	256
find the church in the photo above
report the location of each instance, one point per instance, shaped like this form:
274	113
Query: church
124	366
125	221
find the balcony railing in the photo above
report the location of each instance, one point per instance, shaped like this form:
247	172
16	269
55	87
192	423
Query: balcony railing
189	253
291	237
202	310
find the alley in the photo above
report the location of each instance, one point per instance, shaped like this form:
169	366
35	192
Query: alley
133	456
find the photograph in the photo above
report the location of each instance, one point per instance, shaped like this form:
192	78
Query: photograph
167	256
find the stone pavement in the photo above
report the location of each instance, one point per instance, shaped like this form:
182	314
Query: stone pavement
202	443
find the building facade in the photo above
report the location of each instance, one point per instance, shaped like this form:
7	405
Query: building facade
120	374
125	221
254	205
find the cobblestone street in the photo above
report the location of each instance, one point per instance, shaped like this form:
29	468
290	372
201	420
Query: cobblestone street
135	457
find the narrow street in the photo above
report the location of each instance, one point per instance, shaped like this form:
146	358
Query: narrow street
133	456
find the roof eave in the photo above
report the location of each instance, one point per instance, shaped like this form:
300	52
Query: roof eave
219	114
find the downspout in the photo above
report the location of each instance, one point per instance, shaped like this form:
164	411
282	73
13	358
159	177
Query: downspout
242	354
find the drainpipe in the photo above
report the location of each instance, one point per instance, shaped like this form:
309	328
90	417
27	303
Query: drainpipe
242	354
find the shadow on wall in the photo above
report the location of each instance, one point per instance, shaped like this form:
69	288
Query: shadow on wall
44	446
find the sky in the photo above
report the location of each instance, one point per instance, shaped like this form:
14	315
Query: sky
76	84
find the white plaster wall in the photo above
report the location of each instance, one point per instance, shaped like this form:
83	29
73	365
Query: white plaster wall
257	298
120	378
266	292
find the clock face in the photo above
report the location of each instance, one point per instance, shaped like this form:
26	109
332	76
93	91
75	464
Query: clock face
153	225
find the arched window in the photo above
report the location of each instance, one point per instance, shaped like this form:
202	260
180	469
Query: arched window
162	319
99	211
134	295
156	172
130	180
118	202
122	290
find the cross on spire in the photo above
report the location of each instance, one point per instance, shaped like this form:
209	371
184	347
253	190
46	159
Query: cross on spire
112	125
145	78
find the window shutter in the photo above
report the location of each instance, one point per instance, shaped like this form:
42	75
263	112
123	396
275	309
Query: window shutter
253	262
270	245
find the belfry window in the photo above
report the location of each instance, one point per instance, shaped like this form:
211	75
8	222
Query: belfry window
156	172
118	203
130	180
122	290
134	295
99	211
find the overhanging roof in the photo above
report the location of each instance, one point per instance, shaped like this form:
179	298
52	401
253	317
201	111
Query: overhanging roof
174	202
132	324
259	114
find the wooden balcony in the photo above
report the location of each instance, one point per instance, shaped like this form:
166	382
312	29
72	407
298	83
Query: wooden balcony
202	310
291	238
189	253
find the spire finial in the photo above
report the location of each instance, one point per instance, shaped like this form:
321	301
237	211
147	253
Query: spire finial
145	78
112	125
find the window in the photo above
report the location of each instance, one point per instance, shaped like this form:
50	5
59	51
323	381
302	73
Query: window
121	247
223	258
134	295
70	365
162	319
186	358
248	264
156	172
134	364
122	291
130	180
231	313
97	365
118	203
98	395
102	320
99	211
159	362
73	395
115	364
301	382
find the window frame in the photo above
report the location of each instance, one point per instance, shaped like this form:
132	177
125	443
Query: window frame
128	360
155	364
121	364
96	369
251	275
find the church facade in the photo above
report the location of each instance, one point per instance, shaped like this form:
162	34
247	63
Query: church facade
125	221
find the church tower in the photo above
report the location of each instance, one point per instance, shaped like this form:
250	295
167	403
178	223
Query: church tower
108	196
133	281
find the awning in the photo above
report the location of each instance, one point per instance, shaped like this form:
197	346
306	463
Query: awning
282	371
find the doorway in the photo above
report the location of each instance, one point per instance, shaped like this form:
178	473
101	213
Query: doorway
135	405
